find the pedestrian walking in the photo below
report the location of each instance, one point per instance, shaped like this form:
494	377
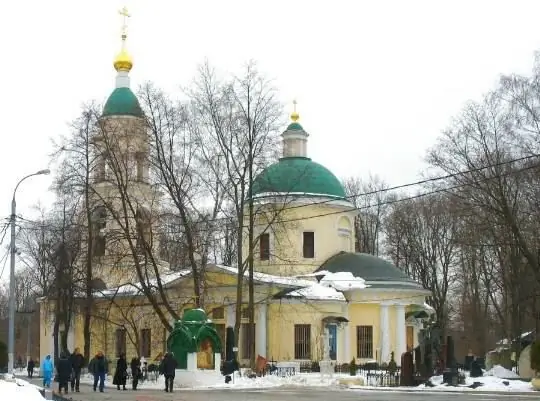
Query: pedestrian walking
120	375
47	371
77	363
135	372
30	368
168	369
63	372
99	367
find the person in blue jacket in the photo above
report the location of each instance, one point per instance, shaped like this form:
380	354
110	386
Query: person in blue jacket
47	369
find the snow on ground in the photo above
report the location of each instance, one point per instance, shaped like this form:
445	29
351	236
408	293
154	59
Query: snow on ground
217	381
497	379
19	390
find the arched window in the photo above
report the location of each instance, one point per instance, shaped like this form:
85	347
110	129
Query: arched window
345	234
99	225
144	229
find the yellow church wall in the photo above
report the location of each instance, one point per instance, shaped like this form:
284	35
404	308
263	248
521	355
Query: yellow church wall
363	315
281	320
332	230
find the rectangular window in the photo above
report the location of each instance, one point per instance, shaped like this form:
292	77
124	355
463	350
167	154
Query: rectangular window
302	341
245	313
309	244
220	328
264	246
218	313
146	342
120	342
364	342
247	337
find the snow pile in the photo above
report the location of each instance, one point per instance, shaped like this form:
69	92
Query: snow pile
19	390
501	373
343	281
485	383
274	381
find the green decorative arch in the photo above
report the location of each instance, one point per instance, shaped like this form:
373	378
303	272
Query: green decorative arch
207	332
189	333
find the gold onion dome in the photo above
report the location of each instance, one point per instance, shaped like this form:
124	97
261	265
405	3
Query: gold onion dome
123	61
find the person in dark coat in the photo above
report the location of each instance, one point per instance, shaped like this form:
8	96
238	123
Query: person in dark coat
63	372
120	376
99	367
77	363
167	368
135	372
30	368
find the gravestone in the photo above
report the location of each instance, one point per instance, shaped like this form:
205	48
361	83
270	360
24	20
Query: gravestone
476	369
417	360
524	364
450	372
406	377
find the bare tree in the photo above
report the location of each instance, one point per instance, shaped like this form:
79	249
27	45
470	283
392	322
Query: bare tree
369	198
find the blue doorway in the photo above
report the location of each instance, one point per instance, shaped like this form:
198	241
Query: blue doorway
332	331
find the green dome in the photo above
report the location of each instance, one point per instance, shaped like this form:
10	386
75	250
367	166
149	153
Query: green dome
122	102
295	127
298	175
195	315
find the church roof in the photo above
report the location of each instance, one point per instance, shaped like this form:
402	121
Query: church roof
377	272
298	175
122	102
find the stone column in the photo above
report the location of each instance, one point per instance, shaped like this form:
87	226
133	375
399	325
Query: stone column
347	338
260	328
401	332
384	335
217	362
231	316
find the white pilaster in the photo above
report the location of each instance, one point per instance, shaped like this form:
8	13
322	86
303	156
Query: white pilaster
401	332
231	316
191	362
384	334
347	338
260	327
217	362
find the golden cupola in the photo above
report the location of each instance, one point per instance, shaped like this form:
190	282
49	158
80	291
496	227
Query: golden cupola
123	61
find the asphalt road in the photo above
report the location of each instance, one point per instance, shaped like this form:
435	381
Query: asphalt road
297	394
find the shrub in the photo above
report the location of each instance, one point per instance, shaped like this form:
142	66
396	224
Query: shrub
535	356
352	368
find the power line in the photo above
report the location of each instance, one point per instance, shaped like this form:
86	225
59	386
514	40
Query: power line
374	192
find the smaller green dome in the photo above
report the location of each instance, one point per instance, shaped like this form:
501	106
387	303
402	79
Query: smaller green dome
122	102
298	175
295	127
195	315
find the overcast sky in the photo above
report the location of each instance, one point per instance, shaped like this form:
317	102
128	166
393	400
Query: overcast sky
376	81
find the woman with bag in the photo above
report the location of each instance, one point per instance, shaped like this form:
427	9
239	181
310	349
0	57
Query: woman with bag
120	376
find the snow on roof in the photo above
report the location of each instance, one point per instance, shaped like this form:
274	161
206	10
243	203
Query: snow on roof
318	292
135	288
343	281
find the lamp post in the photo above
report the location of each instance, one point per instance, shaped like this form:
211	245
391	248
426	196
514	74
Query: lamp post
13	252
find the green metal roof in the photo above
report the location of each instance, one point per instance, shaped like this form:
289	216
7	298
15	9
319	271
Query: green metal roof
122	102
298	175
295	127
371	268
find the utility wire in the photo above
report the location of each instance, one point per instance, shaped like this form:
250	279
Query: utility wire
374	192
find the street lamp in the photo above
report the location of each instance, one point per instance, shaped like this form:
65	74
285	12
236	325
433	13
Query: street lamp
13	252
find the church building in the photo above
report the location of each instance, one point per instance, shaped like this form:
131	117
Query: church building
310	283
